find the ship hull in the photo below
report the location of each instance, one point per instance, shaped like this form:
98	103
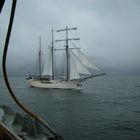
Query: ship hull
74	84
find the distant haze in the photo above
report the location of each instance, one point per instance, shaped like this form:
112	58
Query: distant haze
109	32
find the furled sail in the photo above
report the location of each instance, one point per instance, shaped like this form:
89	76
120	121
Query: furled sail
48	66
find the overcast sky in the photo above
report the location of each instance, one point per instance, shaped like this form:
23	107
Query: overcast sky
109	31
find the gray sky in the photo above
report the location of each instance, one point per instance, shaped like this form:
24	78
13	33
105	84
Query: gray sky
109	31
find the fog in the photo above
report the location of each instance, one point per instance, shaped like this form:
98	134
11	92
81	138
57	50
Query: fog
109	32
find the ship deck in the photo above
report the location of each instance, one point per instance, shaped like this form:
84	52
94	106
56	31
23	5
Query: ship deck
7	134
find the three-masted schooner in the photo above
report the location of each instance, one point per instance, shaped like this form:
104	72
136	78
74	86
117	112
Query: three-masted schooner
77	66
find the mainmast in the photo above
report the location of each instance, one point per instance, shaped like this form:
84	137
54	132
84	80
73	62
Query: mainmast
67	48
67	54
39	67
52	50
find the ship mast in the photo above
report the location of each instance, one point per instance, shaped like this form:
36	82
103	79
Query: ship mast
39	67
52	50
67	48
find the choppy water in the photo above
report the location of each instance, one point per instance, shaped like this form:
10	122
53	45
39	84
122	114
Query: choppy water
107	109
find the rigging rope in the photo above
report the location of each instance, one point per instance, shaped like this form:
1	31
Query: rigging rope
37	118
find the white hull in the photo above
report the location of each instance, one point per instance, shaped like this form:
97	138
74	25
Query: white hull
75	84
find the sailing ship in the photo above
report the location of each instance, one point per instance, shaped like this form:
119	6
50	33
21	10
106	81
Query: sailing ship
77	67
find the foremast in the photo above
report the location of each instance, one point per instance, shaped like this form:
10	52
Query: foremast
67	47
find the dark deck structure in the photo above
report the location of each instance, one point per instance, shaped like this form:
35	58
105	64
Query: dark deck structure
6	134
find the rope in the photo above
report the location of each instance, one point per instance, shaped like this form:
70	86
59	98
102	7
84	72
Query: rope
37	118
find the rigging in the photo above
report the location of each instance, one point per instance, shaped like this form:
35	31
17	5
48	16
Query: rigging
53	135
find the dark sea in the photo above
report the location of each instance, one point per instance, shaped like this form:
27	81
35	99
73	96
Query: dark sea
108	108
